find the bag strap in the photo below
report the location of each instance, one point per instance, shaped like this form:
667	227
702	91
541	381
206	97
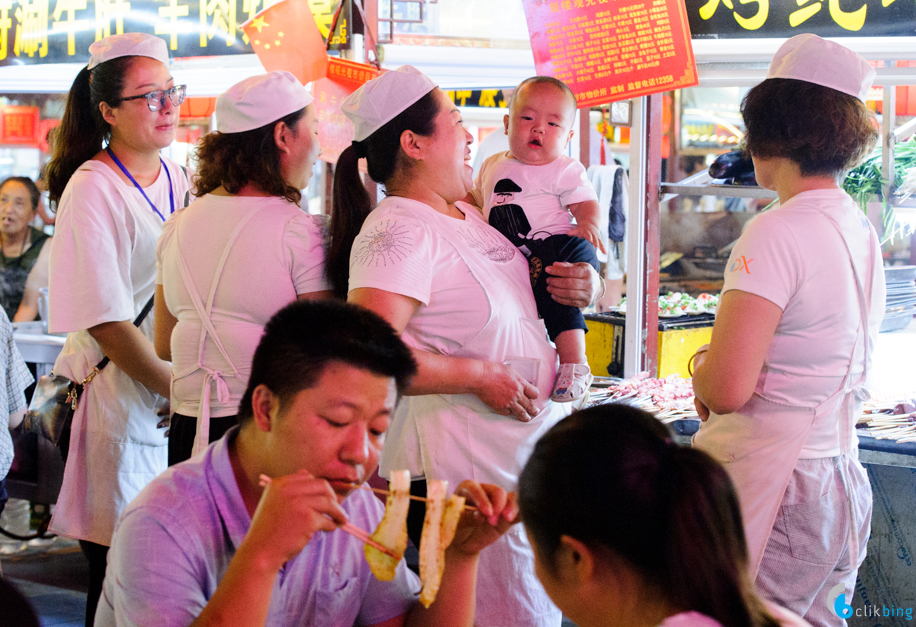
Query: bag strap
187	194
146	309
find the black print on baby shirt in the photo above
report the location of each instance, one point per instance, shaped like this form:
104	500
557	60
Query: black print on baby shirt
385	243
507	218
488	245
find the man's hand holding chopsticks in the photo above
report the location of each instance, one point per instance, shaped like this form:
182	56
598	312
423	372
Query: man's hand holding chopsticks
291	510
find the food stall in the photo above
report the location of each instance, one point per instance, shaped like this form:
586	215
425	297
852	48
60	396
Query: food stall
639	338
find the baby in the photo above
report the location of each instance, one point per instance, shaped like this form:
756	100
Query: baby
542	202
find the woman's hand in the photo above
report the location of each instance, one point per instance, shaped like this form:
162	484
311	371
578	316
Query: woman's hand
506	392
573	284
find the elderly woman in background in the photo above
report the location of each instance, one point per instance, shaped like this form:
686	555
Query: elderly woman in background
237	254
23	254
459	294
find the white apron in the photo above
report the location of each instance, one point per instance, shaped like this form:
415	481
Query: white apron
213	376
457	437
760	444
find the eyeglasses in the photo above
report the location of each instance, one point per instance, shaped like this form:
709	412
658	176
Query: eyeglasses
155	100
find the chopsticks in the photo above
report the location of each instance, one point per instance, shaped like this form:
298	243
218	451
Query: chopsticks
412	497
350	528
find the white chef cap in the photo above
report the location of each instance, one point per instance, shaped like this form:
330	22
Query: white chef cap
260	100
381	100
814	60
128	45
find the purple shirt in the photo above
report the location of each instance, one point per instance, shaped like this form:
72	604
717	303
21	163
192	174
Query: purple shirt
173	544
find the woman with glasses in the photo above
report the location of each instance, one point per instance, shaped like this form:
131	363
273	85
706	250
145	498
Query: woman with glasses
114	192
212	302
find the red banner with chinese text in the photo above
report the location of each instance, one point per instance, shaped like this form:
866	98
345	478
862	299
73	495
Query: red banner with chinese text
19	125
350	73
335	131
608	50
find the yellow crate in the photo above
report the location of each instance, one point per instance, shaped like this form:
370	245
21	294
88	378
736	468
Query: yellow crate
605	340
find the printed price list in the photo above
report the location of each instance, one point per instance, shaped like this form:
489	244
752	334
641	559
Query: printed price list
608	50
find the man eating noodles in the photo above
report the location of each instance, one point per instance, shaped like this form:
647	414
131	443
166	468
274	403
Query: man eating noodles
206	544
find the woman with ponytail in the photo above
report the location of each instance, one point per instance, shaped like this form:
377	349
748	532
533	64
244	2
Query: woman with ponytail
630	529
460	295
114	192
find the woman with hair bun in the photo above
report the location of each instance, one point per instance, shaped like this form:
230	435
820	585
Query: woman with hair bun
460	295
629	529
212	299
114	192
784	376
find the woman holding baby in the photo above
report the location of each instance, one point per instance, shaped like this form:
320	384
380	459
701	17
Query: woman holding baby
459	294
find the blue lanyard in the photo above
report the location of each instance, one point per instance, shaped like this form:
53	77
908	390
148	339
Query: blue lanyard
137	185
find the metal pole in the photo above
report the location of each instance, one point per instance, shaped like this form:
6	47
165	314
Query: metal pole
652	225
674	142
634	340
585	137
888	139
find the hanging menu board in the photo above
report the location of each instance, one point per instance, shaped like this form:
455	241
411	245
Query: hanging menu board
608	50
335	131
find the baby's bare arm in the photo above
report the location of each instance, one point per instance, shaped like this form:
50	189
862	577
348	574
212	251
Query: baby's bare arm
586	215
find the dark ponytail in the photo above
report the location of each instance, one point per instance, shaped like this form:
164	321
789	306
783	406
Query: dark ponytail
611	477
702	499
351	202
82	130
350	207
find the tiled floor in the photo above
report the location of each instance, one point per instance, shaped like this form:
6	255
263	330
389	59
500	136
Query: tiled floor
52	575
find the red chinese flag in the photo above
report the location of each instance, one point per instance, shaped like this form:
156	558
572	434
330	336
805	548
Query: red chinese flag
285	37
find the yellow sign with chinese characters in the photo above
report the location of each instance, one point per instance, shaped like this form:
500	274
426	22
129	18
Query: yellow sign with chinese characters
781	18
61	31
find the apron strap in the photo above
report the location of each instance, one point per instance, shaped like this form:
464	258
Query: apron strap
202	438
853	391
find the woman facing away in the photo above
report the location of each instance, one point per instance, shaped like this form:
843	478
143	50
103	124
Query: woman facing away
237	254
114	193
23	253
459	294
782	382
631	530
